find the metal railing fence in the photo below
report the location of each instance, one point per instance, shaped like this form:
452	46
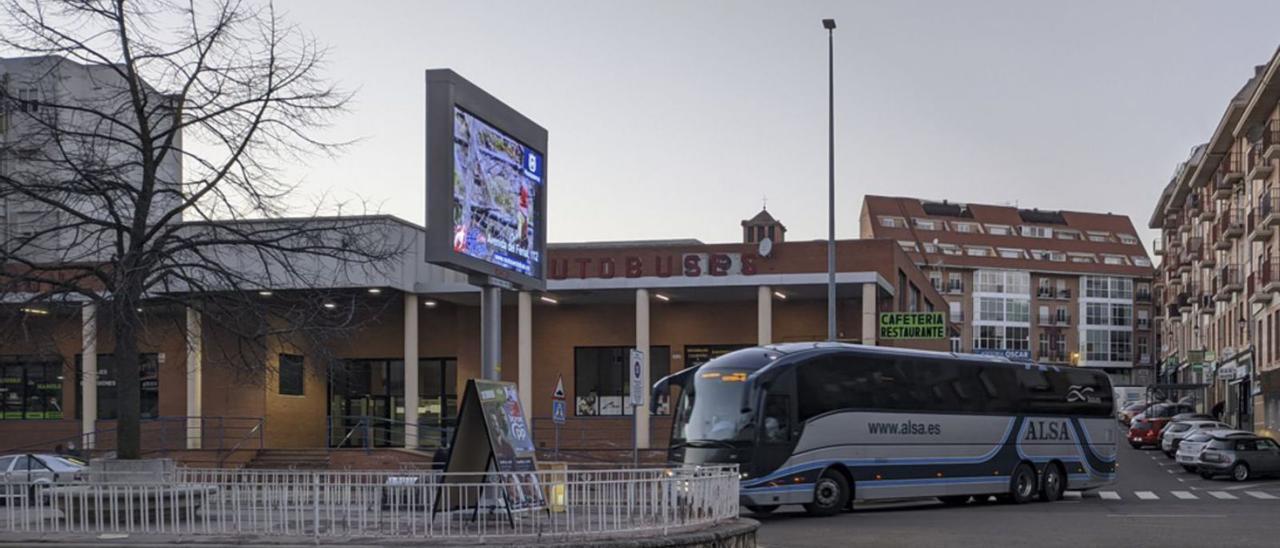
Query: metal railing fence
568	504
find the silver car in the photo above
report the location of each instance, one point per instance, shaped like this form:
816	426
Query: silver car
1188	454
21	474
1241	457
1178	431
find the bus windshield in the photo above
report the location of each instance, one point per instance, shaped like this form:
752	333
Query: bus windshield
711	407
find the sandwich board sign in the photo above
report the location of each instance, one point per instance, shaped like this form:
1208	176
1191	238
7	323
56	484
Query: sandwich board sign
494	445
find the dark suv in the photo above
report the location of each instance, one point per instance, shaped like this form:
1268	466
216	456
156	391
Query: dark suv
1240	457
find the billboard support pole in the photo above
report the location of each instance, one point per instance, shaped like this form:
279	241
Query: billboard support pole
490	332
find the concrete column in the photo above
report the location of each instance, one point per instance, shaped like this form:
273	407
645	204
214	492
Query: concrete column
195	379
88	374
410	371
491	333
869	319
764	315
524	353
642	344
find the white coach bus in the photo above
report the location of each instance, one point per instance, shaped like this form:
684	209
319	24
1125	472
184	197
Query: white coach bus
825	424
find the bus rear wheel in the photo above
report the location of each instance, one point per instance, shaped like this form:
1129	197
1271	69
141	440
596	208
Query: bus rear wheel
1022	485
830	494
1052	483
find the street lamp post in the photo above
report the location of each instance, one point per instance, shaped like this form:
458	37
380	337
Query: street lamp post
830	25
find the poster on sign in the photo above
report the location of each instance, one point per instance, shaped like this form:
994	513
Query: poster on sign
493	441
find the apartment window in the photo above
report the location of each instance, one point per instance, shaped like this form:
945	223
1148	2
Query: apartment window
1104	287
1010	253
1108	346
28	100
902	293
1128	239
1044	345
907	245
292	375
913	298
935	279
1113	259
1140	261
1044	313
1098	236
1082	258
949	249
998	230
929	247
990	309
1144	318
955	283
957	226
1037	231
955	345
957	311
601	384
976	251
1057	256
1017	310
925	224
1068	234
893	222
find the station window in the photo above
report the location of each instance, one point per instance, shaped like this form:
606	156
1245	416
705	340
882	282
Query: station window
108	404
30	388
601	384
292	377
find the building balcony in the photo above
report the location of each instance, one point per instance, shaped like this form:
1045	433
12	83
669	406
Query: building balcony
1230	226
1270	273
1157	246
1143	324
1062	318
1228	281
1263	149
1256	293
955	286
1210	258
1269	208
1206	304
1183	303
1142	296
1194	206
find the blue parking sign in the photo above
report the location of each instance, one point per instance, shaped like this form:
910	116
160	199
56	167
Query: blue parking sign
557	411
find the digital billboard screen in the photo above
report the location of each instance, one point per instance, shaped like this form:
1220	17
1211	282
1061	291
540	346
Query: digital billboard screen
496	185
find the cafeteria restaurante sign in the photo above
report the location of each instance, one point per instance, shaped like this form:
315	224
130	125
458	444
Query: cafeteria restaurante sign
689	265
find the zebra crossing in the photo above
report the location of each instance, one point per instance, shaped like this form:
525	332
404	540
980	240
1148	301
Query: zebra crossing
1148	495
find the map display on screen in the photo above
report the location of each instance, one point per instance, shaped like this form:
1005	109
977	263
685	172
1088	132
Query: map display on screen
496	184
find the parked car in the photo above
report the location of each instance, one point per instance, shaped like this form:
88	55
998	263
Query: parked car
1146	427
1175	432
1188	453
1127	413
1240	457
22	474
1180	417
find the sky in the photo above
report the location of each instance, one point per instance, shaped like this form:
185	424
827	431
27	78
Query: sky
677	119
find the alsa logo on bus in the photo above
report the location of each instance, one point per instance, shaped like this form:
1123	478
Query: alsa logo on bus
1047	430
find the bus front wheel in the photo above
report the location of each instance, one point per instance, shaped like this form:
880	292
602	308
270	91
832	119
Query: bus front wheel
1022	485
830	494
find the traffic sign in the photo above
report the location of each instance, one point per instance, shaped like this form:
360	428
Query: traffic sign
558	411
637	377
559	393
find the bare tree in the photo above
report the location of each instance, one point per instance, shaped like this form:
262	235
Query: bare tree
143	149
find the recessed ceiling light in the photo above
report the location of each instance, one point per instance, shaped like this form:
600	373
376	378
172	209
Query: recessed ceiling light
429	303
264	293
36	311
548	300
375	291
330	306
780	295
661	297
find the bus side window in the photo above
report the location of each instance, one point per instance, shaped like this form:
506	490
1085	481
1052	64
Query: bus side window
777	418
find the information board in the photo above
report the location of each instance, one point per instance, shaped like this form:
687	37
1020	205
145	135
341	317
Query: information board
913	325
493	437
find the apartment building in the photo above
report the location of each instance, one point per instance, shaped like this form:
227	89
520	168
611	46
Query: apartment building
1220	268
57	115
1058	287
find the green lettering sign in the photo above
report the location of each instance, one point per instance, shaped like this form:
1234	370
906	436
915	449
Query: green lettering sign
913	325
